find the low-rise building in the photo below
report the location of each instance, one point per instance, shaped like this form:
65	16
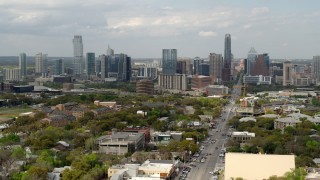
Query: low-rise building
282	123
112	105
149	170
166	137
198	82
242	137
257	79
217	90
120	143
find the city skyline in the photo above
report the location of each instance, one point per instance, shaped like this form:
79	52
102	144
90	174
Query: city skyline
143	28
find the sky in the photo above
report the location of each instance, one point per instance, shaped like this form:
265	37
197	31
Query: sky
286	29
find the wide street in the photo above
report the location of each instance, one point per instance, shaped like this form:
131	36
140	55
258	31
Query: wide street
213	147
218	138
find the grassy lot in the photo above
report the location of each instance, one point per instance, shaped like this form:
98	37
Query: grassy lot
13	111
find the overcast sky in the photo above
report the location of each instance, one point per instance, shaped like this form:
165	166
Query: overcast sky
141	28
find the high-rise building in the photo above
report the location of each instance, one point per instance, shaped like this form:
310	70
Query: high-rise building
216	65
196	62
77	54
116	67
261	66
169	61
252	57
12	74
226	72
128	68
182	67
90	63
59	67
287	73
104	66
110	52
204	69
175	82
98	67
316	69
23	65
41	63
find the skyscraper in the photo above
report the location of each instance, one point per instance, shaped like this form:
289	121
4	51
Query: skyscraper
226	74
23	65
90	63
316	69
216	65
181	67
252	57
77	54
169	61
116	67
110	52
196	62
287	73
41	63
261	65
58	67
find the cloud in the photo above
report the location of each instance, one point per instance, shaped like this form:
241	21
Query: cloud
259	10
207	34
247	26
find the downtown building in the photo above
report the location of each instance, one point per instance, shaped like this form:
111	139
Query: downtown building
215	67
196	63
169	79
23	65
90	64
316	69
226	70
115	67
252	57
59	67
77	55
41	64
11	74
295	75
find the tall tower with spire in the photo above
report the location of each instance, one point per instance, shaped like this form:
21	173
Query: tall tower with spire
226	71
110	52
252	57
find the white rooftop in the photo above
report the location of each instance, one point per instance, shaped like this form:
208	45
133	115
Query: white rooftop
244	133
246	119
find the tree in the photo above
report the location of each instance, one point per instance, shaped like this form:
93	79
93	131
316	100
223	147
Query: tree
9	157
37	172
296	174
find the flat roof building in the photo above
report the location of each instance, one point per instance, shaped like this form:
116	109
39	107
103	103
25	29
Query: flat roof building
257	166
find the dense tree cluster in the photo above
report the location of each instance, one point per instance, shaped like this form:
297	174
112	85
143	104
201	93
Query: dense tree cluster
293	140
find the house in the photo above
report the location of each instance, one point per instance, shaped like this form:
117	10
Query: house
57	173
77	112
61	146
101	111
58	120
